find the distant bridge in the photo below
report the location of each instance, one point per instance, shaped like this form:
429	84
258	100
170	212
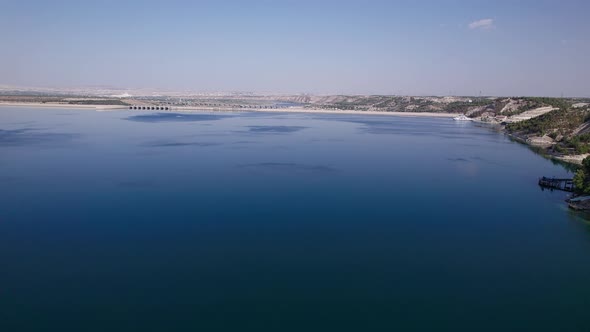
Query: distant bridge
149	107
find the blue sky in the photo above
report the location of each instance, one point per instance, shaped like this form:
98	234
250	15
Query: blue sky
350	47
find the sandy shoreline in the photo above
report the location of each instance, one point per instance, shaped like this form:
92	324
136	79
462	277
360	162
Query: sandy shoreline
230	109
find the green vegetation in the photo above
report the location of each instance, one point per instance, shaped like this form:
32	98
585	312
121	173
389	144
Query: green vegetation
568	126
465	106
529	103
582	178
577	145
561	121
560	103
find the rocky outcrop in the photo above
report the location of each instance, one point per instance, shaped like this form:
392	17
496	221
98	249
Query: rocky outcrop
543	141
573	159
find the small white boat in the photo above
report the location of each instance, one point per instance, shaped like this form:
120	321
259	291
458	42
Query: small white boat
462	117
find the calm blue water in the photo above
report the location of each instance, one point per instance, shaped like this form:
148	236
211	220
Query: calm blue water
130	221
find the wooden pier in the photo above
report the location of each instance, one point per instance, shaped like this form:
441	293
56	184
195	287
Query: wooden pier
557	184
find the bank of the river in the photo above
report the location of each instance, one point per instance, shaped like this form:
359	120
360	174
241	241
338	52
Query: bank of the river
542	148
233	109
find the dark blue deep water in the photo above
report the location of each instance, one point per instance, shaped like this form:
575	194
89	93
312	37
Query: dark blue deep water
131	221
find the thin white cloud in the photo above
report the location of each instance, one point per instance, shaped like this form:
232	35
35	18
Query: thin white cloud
484	24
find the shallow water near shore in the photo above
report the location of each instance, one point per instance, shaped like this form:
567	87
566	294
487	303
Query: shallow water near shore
137	221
